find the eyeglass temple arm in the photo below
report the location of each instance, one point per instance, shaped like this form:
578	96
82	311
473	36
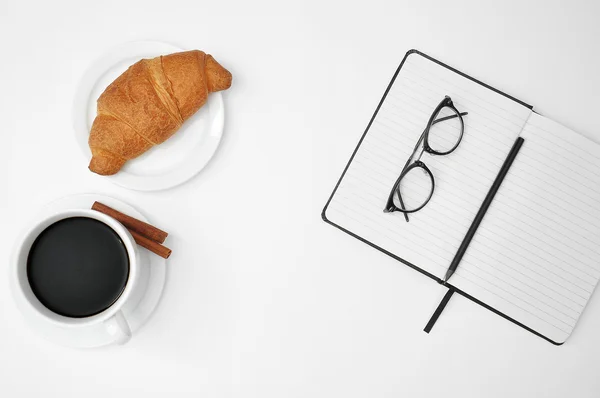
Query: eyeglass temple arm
449	117
402	204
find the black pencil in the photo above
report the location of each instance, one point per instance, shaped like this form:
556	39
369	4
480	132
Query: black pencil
484	207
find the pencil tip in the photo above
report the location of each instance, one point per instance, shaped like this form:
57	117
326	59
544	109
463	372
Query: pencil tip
448	275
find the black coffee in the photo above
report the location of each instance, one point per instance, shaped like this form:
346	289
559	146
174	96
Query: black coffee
78	267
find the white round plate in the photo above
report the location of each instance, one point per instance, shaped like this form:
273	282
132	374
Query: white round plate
166	165
96	335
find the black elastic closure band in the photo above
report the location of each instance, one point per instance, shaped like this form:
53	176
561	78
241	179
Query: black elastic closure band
438	310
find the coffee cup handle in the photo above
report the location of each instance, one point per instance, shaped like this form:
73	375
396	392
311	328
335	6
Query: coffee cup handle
118	328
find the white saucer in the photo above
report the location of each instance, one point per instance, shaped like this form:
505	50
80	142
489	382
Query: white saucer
96	336
166	165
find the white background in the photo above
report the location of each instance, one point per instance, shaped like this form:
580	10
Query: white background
264	299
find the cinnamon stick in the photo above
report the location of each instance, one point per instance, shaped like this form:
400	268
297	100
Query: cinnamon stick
150	244
132	224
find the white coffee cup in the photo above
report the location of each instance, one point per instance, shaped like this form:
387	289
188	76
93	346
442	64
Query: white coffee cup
112	317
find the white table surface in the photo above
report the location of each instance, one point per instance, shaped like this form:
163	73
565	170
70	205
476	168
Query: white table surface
264	299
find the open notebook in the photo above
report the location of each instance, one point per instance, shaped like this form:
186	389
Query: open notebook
532	259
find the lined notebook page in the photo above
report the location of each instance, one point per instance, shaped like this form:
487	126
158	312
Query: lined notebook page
535	256
430	240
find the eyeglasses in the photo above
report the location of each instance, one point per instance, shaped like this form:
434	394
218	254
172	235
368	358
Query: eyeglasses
414	187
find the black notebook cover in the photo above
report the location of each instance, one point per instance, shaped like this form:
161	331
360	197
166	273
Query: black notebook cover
324	216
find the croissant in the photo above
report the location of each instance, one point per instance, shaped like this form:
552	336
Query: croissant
148	103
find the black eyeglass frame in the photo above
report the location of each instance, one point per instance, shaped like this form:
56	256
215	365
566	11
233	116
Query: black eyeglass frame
423	145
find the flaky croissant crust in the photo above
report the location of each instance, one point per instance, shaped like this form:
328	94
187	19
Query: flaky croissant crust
148	103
